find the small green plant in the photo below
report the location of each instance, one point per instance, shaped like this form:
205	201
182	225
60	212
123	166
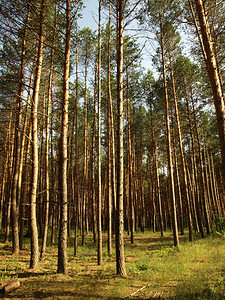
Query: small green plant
219	223
142	267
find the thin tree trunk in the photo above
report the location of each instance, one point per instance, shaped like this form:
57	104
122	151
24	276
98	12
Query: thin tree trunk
62	242
23	194
168	139
120	258
47	183
76	190
177	185
157	185
5	165
8	187
83	207
99	144
34	117
130	166
25	187
202	175
94	218
182	155
194	169
17	148
109	138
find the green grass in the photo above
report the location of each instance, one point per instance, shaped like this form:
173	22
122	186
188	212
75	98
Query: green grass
156	270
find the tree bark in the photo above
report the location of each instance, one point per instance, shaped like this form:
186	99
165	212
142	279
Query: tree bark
109	139
130	166
17	148
120	259
99	144
34	117
182	155
214	76
62	242
47	128
168	139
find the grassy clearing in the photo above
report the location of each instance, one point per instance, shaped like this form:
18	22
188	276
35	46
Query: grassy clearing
156	270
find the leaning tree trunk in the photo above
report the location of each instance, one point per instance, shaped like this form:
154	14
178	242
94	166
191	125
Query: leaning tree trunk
62	242
34	117
214	75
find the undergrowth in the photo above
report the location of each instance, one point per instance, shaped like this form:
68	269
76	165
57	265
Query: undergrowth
156	269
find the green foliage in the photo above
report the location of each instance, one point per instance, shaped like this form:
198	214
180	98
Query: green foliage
219	222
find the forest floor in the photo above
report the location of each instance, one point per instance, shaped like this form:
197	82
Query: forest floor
156	270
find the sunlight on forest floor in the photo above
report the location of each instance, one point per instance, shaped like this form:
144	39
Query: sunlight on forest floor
156	270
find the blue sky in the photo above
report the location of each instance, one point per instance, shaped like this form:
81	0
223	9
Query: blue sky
90	14
90	19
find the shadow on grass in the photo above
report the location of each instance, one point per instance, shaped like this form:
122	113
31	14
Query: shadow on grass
24	275
55	290
71	295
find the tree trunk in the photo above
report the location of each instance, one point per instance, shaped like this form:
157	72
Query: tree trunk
34	117
130	167
17	148
62	242
202	175
109	140
214	76
194	169
157	185
76	190
182	155
120	259
99	144
47	183
168	139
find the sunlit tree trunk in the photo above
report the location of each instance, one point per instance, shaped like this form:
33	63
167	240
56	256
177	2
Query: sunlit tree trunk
168	139
17	148
47	129
34	117
120	258
99	144
109	139
62	242
214	75
24	177
25	187
76	190
85	173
